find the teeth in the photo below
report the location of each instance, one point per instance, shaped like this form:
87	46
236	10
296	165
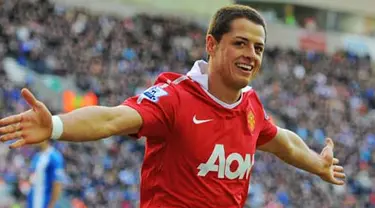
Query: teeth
245	67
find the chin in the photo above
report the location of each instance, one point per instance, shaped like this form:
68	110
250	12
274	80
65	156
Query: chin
243	85
239	84
242	81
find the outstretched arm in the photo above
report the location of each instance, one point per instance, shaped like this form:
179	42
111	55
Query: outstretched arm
290	148
85	124
98	122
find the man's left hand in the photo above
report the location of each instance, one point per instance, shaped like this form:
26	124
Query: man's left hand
331	172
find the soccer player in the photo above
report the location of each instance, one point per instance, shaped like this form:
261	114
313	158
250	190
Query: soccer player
202	128
46	177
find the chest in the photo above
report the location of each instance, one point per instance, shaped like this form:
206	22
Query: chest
41	162
203	130
40	167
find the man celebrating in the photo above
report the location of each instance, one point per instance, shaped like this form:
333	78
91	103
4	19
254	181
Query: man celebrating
202	128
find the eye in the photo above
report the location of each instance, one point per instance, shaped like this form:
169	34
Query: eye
240	43
258	49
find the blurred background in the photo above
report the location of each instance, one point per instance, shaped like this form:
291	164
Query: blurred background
317	79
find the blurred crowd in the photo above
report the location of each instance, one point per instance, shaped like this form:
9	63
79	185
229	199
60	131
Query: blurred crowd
316	95
319	96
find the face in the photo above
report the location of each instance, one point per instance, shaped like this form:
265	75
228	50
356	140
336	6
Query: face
238	56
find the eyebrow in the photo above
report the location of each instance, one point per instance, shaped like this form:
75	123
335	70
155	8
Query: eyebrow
247	40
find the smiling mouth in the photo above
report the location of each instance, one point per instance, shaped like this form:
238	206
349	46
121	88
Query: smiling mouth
245	67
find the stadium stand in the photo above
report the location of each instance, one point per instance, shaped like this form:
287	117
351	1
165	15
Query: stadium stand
315	94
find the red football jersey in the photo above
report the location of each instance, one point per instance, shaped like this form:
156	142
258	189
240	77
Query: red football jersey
199	150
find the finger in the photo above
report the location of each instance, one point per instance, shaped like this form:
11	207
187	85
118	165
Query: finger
339	175
338	168
329	143
11	136
18	144
336	161
11	120
338	182
10	128
327	154
29	97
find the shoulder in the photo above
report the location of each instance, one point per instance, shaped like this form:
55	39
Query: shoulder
35	155
169	78
165	88
56	156
35	158
252	97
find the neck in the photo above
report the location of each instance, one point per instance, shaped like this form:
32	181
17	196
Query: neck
218	88
44	148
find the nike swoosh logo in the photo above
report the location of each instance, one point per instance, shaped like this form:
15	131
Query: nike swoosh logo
196	121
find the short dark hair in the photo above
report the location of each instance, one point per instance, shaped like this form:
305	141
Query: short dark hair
221	21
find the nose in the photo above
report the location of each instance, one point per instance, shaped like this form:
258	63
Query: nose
249	52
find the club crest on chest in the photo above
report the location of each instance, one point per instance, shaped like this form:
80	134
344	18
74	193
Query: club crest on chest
251	121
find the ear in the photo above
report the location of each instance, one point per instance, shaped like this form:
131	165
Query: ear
211	45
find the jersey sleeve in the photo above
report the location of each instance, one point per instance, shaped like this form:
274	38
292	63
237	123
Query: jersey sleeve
57	168
268	131
157	107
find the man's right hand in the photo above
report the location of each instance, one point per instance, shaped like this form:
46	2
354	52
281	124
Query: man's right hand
29	127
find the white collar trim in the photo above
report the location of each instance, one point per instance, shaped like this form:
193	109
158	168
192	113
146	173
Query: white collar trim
198	73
